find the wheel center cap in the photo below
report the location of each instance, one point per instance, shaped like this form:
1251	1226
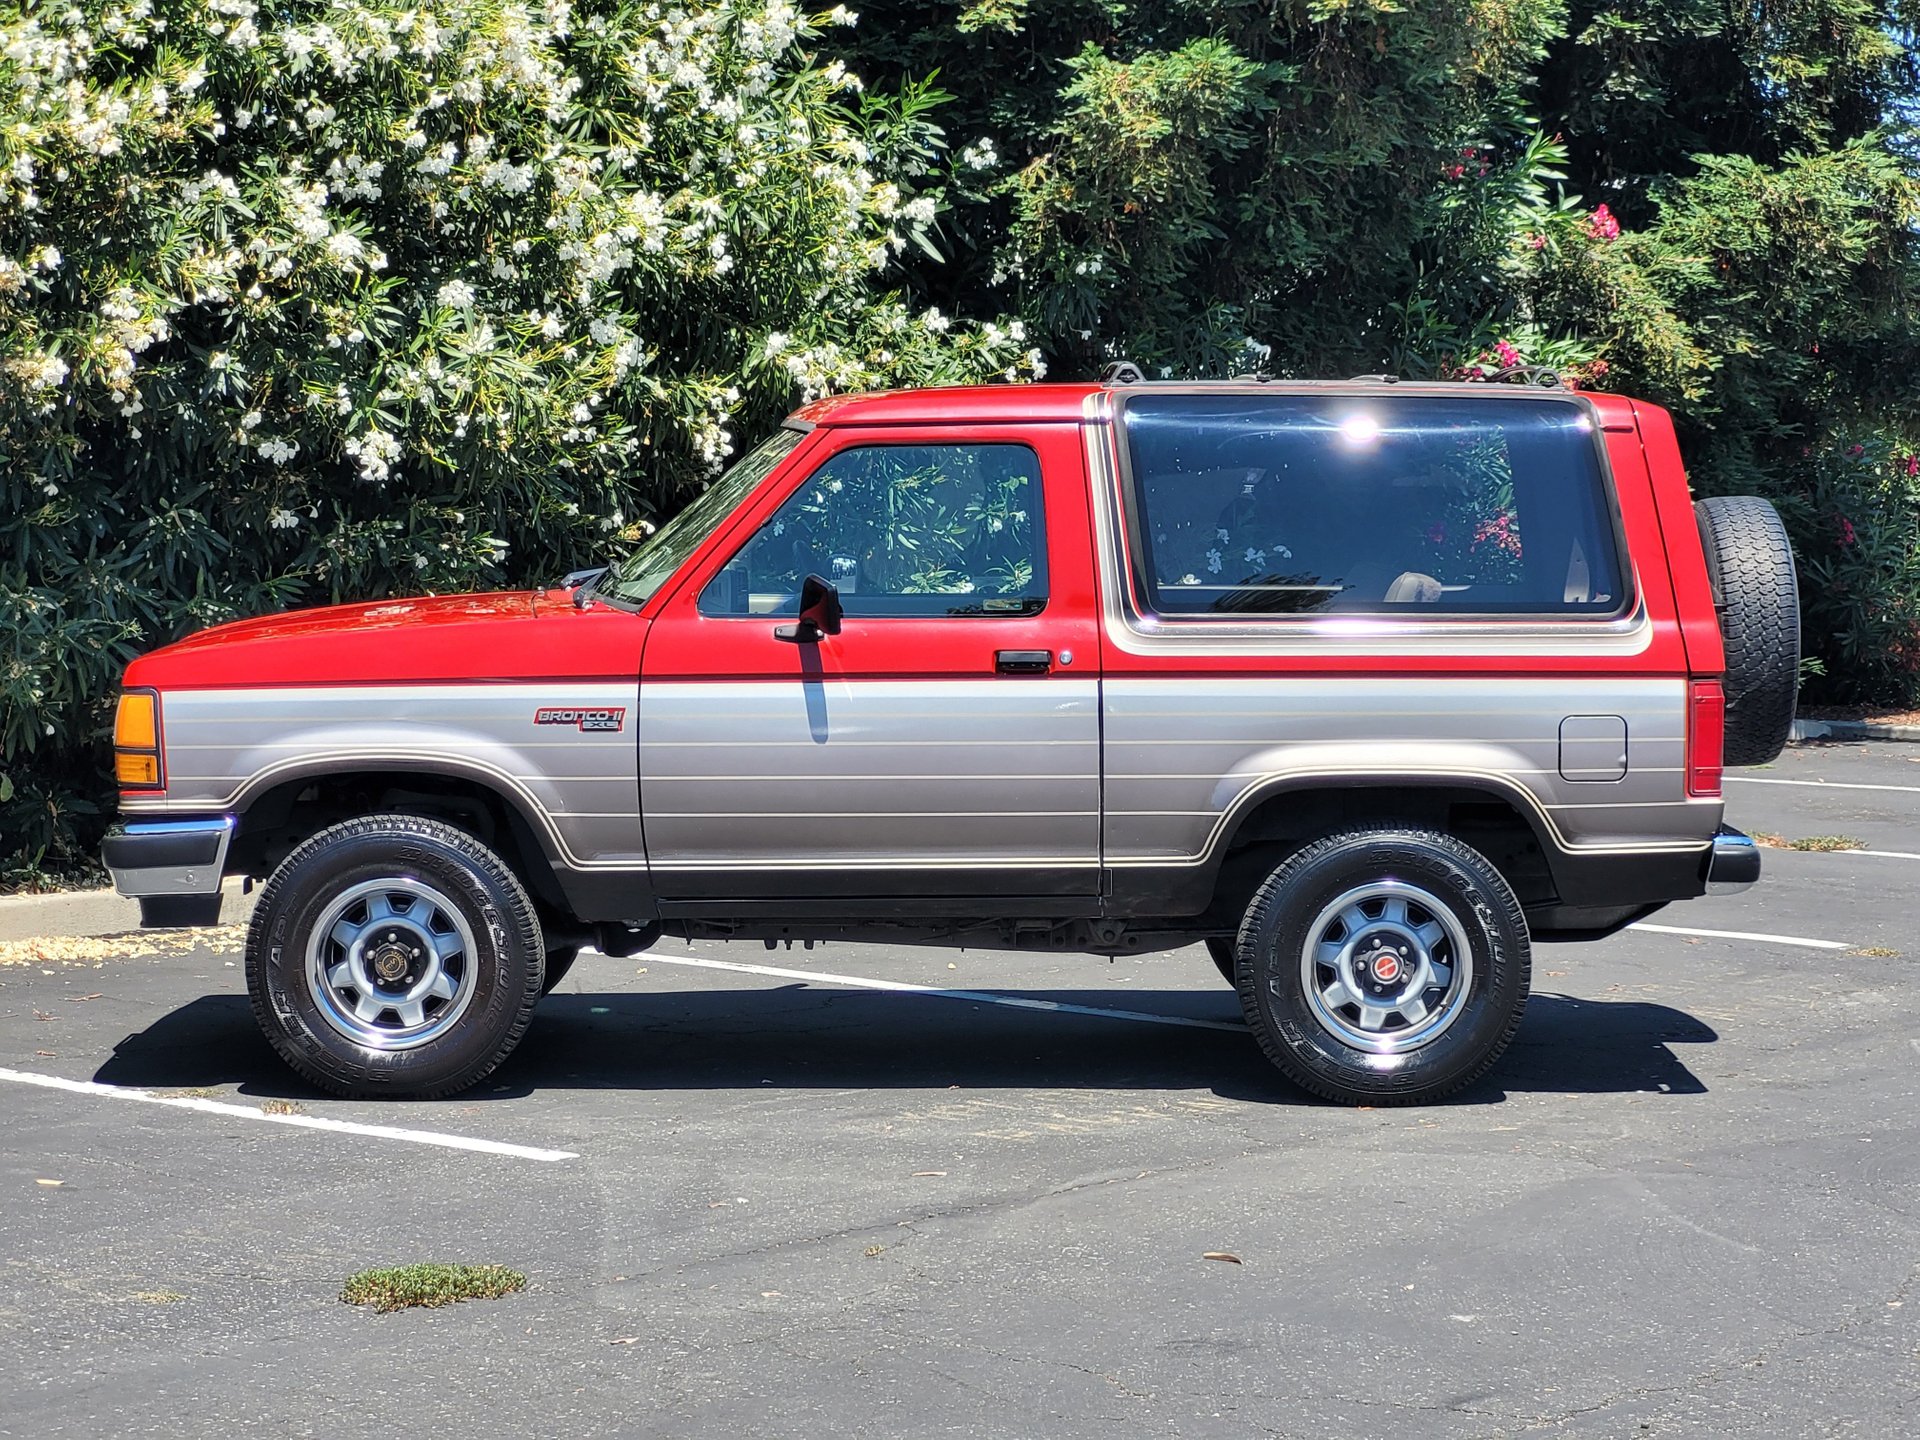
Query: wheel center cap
1386	967
389	963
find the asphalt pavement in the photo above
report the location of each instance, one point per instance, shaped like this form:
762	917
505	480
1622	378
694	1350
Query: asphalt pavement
919	1192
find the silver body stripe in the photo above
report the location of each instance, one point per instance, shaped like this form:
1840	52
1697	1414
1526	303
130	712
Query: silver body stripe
872	775
1259	733
226	747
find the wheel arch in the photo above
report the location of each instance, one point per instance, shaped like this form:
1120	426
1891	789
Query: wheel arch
276	811
1496	815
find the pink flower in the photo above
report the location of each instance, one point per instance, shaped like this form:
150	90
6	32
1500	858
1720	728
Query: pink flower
1913	466
1437	533
1454	172
1601	225
1598	368
1847	537
1858	450
1536	242
1506	354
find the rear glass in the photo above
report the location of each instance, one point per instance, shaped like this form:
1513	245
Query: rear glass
1391	505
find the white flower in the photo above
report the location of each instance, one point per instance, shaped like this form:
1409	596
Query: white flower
841	15
455	295
376	451
45	258
980	155
283	519
39	372
934	320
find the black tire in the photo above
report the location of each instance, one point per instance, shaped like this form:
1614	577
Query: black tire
474	905
1750	563
1224	950
1486	1005
559	962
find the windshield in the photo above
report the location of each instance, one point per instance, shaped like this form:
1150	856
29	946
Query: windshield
635	579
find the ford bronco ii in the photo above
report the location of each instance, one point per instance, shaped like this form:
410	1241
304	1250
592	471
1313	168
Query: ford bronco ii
1362	685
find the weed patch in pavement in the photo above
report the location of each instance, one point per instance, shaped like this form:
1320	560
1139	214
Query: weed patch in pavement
399	1287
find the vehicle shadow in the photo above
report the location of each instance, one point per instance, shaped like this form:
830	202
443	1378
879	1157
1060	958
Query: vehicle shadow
806	1037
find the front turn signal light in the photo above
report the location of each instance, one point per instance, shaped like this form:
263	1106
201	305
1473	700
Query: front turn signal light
136	772
136	741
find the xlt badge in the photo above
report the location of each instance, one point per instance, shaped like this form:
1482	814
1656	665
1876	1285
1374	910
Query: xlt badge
601	718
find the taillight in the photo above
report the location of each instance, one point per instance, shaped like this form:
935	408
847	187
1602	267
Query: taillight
1706	736
136	741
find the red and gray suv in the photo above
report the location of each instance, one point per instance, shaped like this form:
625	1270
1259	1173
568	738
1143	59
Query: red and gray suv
1363	685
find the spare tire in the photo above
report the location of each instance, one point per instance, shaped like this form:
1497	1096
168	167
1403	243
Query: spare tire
1750	562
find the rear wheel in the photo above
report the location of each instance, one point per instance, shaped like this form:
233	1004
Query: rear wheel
394	956
1384	967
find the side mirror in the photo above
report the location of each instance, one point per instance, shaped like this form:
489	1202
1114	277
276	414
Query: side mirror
820	614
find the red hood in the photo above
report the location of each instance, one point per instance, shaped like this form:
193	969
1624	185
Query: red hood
514	635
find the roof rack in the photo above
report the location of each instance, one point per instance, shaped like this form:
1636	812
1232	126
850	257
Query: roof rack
1122	372
1544	376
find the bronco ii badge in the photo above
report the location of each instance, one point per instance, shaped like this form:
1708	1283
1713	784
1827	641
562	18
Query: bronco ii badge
597	719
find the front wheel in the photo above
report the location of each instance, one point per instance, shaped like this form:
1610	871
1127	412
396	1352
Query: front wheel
394	956
1384	967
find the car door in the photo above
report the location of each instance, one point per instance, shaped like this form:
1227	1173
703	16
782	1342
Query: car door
945	742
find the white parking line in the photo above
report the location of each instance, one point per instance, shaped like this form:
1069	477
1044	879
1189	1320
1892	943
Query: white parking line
1883	854
308	1122
1823	784
1799	940
939	992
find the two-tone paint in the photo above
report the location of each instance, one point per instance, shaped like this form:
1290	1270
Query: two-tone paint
895	763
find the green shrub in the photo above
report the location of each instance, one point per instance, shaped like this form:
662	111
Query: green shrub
338	298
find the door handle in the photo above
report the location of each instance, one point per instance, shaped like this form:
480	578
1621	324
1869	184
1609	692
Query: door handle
1023	662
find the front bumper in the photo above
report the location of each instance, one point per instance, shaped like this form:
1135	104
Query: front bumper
172	867
1734	864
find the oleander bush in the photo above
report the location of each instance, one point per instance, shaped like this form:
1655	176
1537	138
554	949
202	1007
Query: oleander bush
325	299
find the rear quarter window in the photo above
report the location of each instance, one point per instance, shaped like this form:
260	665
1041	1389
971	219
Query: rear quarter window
1409	505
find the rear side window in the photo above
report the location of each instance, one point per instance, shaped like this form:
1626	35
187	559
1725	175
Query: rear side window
1370	504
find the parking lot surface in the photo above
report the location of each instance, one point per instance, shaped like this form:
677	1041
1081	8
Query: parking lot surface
928	1192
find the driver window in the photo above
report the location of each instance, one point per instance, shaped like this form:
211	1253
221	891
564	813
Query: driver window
909	530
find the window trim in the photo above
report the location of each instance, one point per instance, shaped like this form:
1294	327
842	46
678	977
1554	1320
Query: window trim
1034	607
1137	597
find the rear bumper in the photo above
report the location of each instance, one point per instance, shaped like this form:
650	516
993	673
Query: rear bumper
172	867
1734	864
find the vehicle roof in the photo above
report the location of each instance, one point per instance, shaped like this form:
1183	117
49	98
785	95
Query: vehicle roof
987	404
